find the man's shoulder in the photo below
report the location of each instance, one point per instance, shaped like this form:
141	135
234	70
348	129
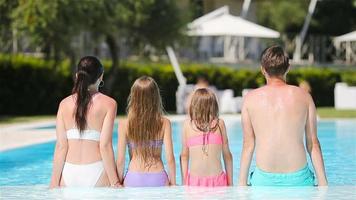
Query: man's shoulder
298	90
254	92
252	96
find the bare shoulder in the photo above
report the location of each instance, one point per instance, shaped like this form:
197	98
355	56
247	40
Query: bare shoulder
299	92
221	123
66	101
255	92
166	122
252	95
106	100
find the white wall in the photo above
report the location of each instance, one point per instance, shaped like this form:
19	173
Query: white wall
345	96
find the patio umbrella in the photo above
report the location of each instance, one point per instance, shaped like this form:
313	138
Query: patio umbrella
224	24
348	38
229	25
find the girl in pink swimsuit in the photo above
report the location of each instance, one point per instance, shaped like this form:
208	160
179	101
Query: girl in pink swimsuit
204	140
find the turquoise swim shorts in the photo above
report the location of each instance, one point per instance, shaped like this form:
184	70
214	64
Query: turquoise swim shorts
302	177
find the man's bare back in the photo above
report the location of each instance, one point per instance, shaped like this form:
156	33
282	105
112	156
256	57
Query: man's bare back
275	120
278	114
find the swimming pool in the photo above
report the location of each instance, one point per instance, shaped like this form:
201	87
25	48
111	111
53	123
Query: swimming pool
22	168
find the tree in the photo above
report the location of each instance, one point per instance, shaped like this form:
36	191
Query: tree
6	31
146	22
53	25
50	25
284	16
334	17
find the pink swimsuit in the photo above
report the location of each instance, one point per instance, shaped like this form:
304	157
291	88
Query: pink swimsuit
206	181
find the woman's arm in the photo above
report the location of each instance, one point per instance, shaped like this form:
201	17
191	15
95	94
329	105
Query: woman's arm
168	147
106	149
248	145
61	149
184	156
121	150
313	145
227	156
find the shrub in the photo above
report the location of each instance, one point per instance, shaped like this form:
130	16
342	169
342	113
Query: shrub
30	86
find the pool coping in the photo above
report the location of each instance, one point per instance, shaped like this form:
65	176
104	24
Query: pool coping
16	135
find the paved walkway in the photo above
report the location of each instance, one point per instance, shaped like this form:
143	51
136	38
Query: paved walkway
22	134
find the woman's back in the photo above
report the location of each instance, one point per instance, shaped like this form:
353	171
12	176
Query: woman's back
82	151
83	155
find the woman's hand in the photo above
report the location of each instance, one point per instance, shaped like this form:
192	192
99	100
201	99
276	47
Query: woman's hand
53	186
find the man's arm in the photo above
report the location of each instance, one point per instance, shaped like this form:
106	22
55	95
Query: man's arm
313	145
248	146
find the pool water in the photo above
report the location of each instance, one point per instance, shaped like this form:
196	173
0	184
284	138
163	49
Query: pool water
180	192
32	165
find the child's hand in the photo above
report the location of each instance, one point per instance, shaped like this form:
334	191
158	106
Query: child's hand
243	184
172	184
53	186
116	185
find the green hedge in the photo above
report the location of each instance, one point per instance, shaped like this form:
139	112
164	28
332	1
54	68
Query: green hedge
29	86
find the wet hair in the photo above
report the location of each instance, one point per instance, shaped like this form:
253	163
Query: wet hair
275	61
204	110
89	69
145	111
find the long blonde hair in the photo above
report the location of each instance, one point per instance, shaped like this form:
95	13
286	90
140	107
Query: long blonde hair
204	110
145	112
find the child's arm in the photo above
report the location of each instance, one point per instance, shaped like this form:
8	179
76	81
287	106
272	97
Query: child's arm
227	156
248	145
313	145
60	152
168	145
184	156
121	150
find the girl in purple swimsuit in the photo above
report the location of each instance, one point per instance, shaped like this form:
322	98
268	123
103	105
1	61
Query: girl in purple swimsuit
145	132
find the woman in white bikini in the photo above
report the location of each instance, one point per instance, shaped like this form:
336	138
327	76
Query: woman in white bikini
83	154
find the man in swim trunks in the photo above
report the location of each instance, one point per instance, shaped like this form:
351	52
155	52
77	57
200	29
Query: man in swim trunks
275	120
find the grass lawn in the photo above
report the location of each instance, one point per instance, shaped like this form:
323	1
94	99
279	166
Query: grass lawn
323	112
330	112
20	119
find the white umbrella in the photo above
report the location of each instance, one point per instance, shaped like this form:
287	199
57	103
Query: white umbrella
229	25
346	37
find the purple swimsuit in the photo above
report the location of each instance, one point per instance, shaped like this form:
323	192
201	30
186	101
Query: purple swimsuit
146	179
142	179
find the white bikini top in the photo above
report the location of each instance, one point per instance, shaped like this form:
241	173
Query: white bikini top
89	134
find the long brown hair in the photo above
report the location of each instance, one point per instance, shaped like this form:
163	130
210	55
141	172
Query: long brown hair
204	113
204	110
89	70
145	112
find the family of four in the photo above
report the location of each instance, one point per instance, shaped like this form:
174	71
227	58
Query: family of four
277	120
